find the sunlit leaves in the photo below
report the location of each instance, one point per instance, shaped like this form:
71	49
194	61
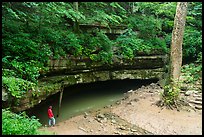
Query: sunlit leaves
17	87
19	124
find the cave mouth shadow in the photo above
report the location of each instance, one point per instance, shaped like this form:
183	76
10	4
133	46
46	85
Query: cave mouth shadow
111	84
77	92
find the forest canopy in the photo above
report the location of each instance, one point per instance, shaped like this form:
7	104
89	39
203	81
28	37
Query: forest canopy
34	32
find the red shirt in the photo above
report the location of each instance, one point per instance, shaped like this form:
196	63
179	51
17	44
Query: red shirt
50	114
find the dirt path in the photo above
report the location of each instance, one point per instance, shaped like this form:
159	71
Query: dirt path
136	114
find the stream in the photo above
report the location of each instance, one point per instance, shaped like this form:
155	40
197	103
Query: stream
81	98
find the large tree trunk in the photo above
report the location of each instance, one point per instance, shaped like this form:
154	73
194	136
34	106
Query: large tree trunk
172	91
177	40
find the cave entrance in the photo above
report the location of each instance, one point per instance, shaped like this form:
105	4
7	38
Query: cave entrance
81	98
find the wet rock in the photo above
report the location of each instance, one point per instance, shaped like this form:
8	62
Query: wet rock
136	99
143	87
198	107
141	96
100	116
195	91
129	103
122	127
122	133
197	95
152	85
130	91
86	114
189	92
184	88
133	130
117	102
151	91
196	102
99	120
113	121
82	129
198	99
104	120
117	132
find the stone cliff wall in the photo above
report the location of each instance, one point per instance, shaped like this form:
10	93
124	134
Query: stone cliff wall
67	72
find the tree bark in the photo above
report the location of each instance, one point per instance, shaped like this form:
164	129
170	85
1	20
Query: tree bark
76	23
171	90
176	42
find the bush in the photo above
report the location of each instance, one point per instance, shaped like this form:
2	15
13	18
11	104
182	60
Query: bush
148	27
158	43
25	70
129	44
192	72
19	124
170	96
16	86
192	43
97	46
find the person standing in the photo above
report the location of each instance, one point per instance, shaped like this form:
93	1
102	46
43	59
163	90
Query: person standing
51	117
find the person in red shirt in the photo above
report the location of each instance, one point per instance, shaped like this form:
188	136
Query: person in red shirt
51	117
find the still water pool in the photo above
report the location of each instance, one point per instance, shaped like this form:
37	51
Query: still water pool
81	98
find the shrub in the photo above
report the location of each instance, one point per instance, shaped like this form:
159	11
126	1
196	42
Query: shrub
170	96
16	86
19	124
25	70
192	43
192	72
129	44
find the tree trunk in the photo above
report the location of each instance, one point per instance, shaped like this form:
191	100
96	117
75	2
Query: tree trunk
176	45
76	23
60	100
177	40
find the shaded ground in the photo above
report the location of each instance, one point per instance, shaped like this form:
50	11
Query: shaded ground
137	114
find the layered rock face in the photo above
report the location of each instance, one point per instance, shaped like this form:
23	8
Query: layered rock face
69	71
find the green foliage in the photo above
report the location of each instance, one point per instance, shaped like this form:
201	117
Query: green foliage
8	73
103	13
158	44
130	45
70	43
167	25
19	124
165	9
170	96
105	57
192	72
32	32
148	26
199	58
20	45
98	44
17	87
194	15
24	70
192	43
103	41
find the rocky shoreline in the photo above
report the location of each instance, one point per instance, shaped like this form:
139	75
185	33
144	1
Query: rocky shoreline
137	114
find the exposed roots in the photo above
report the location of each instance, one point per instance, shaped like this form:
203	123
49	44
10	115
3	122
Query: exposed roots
178	104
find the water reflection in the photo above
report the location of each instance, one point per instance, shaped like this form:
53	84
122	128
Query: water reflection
83	97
